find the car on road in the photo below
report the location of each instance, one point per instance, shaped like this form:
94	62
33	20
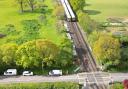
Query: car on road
27	73
55	73
10	72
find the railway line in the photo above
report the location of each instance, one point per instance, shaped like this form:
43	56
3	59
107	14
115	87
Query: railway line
81	46
83	52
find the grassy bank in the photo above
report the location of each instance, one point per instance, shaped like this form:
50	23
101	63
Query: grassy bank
59	85
100	10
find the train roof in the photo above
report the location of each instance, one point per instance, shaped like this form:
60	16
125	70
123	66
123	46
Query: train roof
65	8
69	8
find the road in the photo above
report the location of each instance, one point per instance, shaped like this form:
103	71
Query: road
36	79
81	78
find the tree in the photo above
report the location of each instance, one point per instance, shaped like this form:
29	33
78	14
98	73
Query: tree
48	52
86	22
94	36
27	55
77	4
59	12
31	3
65	50
107	49
124	54
21	3
8	54
37	53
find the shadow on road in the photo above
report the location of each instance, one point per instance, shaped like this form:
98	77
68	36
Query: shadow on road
4	77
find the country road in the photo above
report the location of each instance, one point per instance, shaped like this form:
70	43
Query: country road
70	78
24	79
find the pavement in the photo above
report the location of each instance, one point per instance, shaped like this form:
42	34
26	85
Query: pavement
81	78
33	79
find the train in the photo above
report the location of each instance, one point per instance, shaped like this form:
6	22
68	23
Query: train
70	15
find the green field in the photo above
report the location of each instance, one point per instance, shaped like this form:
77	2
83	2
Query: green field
100	10
10	14
56	85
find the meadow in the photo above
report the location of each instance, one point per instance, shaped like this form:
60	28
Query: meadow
10	14
100	10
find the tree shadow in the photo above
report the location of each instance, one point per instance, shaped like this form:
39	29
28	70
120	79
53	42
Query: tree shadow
87	4
92	12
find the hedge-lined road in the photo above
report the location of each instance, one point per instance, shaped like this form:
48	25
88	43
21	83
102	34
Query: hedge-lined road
24	79
80	78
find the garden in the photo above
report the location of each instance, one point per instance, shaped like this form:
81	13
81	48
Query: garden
33	37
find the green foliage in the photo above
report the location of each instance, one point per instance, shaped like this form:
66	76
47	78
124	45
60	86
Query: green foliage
93	37
86	22
77	4
59	12
9	29
123	38
124	54
117	86
66	59
8	54
31	30
57	85
31	26
48	52
27	56
107	50
34	53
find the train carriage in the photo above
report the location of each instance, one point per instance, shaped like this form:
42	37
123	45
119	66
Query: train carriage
73	17
68	16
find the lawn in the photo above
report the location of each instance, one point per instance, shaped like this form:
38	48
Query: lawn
56	85
100	10
9	14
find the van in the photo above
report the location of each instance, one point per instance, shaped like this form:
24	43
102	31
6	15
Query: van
55	73
10	72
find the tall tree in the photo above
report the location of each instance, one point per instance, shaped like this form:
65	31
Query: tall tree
107	49
48	52
93	37
37	53
86	22
77	4
27	55
21	4
31	3
8	53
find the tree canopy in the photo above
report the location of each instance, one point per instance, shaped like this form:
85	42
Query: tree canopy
86	22
37	53
107	49
77	4
8	53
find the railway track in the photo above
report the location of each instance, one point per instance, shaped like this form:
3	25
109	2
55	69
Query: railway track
82	48
83	51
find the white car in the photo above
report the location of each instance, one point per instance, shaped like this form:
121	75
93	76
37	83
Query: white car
27	73
10	72
55	73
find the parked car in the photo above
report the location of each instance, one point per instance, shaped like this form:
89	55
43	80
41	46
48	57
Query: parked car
27	73
55	73
10	72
